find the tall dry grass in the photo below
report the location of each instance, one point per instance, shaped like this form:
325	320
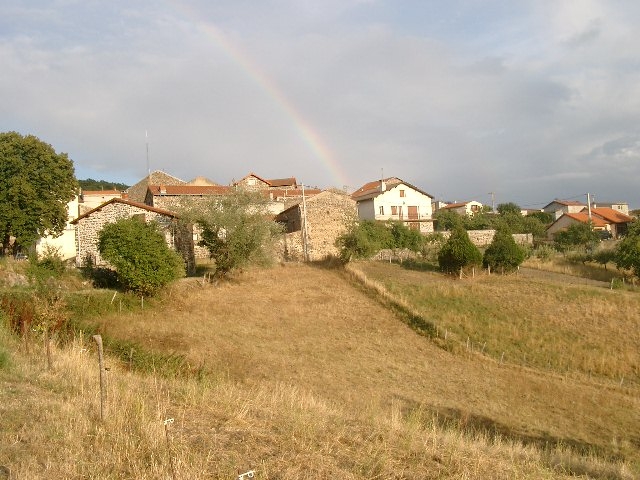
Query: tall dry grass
51	429
314	329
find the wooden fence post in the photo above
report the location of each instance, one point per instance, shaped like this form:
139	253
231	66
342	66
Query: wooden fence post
103	391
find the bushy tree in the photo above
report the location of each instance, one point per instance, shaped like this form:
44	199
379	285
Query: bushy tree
509	208
627	254
503	253
577	235
36	183
236	229
138	252
458	252
446	219
405	237
364	239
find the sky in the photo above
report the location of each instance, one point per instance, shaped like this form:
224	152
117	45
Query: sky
528	100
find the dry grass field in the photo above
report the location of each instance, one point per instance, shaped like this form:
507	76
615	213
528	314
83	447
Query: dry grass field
311	375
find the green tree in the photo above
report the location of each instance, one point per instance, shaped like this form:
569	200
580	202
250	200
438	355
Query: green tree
36	184
91	184
627	254
143	261
364	239
503	252
236	229
577	235
509	208
446	219
458	252
405	237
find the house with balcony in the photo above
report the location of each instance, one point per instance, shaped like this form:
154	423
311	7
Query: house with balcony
393	199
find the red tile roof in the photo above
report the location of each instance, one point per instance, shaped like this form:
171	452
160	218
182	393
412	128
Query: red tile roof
98	193
567	203
611	215
282	182
188	189
144	206
583	217
455	205
374	187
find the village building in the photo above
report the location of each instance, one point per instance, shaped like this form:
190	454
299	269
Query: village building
464	208
393	199
90	199
88	226
312	226
138	192
63	245
559	207
254	182
622	207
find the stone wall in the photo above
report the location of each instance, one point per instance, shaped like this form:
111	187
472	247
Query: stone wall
483	238
328	216
178	237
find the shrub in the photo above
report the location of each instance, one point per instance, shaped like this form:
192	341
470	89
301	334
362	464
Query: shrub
236	229
627	253
143	261
458	252
364	239
577	235
503	252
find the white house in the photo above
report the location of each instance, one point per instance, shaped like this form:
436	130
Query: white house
560	207
464	208
394	199
65	244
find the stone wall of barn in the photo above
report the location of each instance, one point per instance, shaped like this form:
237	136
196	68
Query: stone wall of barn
328	216
178	237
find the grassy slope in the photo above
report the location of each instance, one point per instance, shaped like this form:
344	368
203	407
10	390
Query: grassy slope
315	380
310	328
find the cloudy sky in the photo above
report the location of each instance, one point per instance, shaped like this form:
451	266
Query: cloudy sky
529	99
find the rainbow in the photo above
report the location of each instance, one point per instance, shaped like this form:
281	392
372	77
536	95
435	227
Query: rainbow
304	129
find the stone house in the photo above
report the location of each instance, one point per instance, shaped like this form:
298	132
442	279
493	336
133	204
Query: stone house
88	226
394	199
138	192
254	182
567	219
326	216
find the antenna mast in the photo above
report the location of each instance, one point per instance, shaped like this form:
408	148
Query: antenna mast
146	136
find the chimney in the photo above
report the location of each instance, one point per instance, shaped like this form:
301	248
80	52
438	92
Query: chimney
383	186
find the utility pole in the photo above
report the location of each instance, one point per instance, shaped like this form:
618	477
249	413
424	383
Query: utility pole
493	201
305	249
589	206
146	137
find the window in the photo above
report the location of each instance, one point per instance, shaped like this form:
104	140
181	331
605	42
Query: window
251	181
381	210
394	210
402	193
